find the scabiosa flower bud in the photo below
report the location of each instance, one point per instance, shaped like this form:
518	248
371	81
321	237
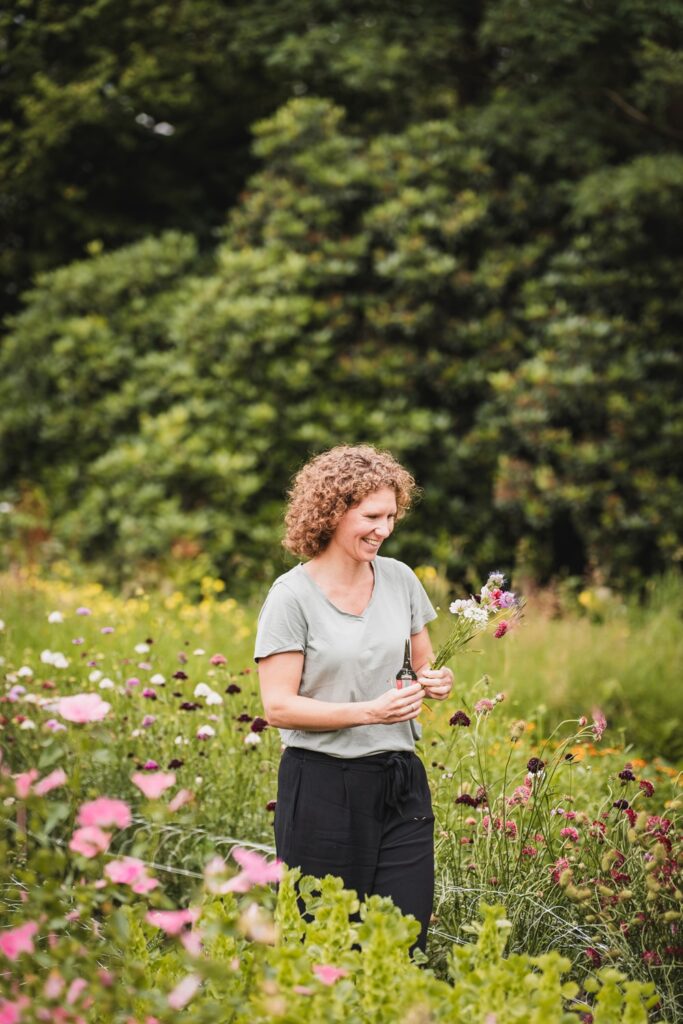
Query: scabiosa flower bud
535	766
459	718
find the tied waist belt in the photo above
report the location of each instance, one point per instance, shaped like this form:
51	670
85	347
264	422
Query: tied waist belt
397	766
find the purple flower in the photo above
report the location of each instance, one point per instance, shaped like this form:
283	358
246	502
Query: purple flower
189	705
459	718
148	720
175	763
150	766
627	775
107	629
133	681
507	599
535	766
78	640
83	611
149	693
621	805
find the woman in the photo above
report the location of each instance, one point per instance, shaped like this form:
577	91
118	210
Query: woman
353	798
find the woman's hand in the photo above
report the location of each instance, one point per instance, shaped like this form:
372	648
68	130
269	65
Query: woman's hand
396	705
437	683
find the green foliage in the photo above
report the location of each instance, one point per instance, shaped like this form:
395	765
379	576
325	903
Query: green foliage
482	277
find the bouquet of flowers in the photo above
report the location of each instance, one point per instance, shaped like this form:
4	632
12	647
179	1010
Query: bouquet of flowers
492	606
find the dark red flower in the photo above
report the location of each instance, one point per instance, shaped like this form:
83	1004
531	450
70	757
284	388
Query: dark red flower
244	717
180	675
270	806
647	787
259	724
233	688
501	629
467	799
176	763
627	775
650	956
620	805
189	705
593	956
535	765
459	718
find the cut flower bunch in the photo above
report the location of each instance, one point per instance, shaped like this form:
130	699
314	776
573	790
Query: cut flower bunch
492	606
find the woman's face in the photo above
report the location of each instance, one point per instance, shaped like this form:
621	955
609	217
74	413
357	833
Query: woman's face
362	529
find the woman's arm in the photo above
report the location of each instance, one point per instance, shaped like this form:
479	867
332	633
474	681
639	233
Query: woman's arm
280	678
437	684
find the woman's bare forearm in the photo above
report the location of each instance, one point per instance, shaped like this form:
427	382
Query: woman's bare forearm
295	712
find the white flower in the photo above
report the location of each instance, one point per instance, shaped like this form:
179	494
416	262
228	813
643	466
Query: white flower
457	606
135	733
205	732
142	648
55	617
158	679
202	690
2	625
25	672
27	724
199	651
198	779
214	698
106	684
95	675
54	658
2	661
252	739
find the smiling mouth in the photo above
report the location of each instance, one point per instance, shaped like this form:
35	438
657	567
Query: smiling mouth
372	543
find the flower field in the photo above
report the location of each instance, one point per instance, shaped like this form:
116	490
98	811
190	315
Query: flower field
138	780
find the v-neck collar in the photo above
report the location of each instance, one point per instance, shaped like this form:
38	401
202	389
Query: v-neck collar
351	615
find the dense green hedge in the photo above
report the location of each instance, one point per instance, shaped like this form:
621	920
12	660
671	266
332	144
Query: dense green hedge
491	290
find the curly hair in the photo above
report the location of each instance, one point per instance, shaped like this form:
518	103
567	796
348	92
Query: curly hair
333	482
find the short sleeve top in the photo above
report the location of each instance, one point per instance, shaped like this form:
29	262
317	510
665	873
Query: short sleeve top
347	657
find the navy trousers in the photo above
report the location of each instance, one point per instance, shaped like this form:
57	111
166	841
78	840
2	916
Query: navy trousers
368	820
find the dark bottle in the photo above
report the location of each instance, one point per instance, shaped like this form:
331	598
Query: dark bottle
405	675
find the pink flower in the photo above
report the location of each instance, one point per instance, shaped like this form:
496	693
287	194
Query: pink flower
83	611
54	985
54	726
556	869
192	941
328	974
133	681
153	785
15	941
107	629
258	870
75	989
529	851
218	659
570	833
149	693
150	766
511	829
183	992
483	706
130	871
52	781
184	796
599	723
10	1013
172	921
148	720
105	812
89	841
83	707
647	787
24	782
501	629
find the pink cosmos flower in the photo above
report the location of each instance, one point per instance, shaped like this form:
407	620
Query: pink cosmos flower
172	921
183	992
24	782
328	974
89	841
15	941
83	707
153	785
52	781
570	833
184	796
218	659
75	989
483	706
599	723
130	871
105	812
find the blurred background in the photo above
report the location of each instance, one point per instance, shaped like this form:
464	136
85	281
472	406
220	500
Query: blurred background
233	234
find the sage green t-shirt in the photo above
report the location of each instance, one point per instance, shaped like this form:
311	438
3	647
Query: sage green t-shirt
347	657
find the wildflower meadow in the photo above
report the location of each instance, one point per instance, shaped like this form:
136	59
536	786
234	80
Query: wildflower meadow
138	784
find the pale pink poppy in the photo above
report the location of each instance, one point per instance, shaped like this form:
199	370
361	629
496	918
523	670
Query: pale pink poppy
172	921
15	941
153	785
192	941
144	884
89	841
184	796
83	707
52	781
126	871
328	974
258	870
183	992
10	1013
24	782
106	812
